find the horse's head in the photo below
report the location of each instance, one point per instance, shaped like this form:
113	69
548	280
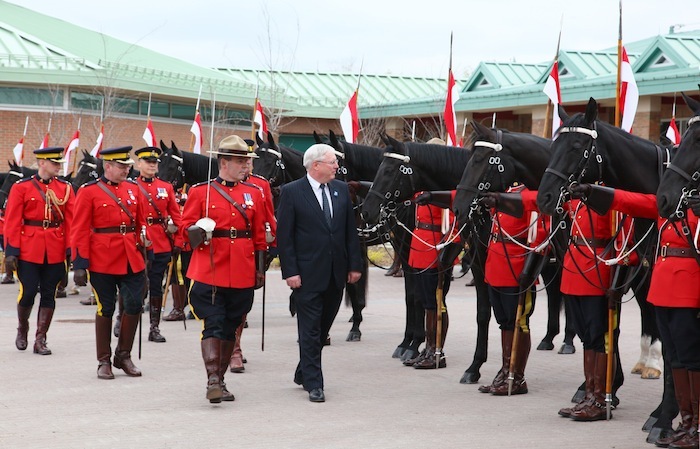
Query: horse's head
89	169
170	167
574	157
393	184
490	169
683	175
339	148
14	175
269	163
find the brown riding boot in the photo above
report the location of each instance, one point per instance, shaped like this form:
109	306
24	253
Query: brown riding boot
178	312
681	383
227	348
122	355
588	368
690	440
595	409
502	375
429	360
120	312
521	356
154	333
23	327
211	354
103	339
89	301
236	359
42	327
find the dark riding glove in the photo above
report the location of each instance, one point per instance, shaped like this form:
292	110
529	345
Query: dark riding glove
80	277
423	198
489	200
694	204
175	253
579	191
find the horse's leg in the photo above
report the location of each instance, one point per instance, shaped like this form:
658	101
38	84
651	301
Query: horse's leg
552	279
650	331
417	323
408	330
569	332
659	423
483	316
357	294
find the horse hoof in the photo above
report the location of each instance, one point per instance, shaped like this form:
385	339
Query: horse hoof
354	336
567	349
649	424
350	320
650	373
398	352
545	345
658	433
408	355
470	378
578	396
638	368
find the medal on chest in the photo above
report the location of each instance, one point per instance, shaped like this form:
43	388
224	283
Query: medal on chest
247	200
162	193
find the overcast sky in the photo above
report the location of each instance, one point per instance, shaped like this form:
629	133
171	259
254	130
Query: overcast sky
407	37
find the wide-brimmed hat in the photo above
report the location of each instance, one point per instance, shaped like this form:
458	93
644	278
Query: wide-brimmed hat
151	154
53	154
117	154
234	146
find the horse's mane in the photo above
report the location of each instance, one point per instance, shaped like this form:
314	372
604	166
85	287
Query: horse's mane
616	134
362	158
196	167
438	157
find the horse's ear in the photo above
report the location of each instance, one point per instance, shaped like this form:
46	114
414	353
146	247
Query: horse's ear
482	131
317	138
384	139
271	140
694	105
173	146
333	138
258	140
591	111
396	145
562	113
162	145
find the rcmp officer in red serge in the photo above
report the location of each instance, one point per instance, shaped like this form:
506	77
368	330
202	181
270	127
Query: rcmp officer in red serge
163	221
225	222
37	229
106	241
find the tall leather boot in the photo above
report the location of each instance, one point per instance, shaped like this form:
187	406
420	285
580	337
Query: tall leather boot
428	361
211	354
178	312
23	327
681	382
103	339
502	375
595	410
225	351
588	368
521	356
120	312
690	440
42	327
122	355
236	359
154	333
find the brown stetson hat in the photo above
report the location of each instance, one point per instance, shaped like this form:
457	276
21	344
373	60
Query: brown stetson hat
234	146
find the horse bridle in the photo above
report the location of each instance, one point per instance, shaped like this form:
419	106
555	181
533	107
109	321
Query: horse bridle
280	168
20	175
179	180
389	200
693	181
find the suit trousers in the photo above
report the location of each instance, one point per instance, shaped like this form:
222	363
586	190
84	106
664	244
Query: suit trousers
315	314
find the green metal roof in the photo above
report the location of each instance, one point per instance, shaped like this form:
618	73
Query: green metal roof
498	75
324	95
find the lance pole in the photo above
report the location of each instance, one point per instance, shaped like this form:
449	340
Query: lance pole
618	115
548	126
75	150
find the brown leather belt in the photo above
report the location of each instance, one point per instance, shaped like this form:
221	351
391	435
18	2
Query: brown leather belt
594	243
429	227
667	251
232	233
123	229
43	223
157	220
503	238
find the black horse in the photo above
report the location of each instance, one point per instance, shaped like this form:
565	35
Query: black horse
90	169
499	159
588	150
15	174
412	167
183	167
683	178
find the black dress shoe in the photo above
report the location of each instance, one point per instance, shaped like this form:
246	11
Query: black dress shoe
316	395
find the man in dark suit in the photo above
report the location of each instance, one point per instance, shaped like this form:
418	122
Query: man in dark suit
319	252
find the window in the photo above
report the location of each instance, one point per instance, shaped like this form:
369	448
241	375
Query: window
33	97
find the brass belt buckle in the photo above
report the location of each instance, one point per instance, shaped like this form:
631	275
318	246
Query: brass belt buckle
45	224
149	220
663	250
233	232
122	229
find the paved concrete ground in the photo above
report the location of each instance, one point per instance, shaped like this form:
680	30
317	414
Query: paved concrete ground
372	400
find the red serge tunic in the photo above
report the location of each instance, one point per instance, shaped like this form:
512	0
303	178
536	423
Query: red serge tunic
269	206
675	281
25	235
583	274
112	252
505	259
429	230
163	196
226	262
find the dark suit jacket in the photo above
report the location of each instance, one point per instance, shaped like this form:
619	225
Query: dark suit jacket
307	245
